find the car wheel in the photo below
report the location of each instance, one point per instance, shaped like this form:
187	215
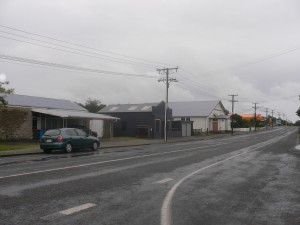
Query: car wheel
47	150
95	146
68	148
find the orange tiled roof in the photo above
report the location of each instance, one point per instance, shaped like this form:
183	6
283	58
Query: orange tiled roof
250	116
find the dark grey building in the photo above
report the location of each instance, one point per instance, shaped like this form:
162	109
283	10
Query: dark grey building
139	120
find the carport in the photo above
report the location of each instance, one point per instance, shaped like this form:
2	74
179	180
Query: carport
55	118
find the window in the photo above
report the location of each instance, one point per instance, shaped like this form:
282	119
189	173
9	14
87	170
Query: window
114	108
145	108
188	119
52	132
124	125
133	108
80	132
183	118
72	132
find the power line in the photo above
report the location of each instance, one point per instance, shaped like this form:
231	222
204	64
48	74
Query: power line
83	46
93	56
206	83
43	63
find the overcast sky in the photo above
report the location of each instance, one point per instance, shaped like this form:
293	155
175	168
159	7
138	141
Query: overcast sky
249	48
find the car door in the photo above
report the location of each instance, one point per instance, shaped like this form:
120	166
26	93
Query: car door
83	140
74	138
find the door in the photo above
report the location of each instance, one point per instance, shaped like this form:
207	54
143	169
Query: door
188	129
183	130
215	125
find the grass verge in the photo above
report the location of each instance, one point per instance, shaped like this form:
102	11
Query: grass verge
15	147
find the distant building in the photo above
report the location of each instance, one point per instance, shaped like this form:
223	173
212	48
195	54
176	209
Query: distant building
206	115
250	116
27	117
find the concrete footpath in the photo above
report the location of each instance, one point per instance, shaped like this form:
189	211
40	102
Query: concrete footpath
119	143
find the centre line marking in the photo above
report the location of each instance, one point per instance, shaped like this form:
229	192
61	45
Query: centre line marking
164	181
67	212
108	161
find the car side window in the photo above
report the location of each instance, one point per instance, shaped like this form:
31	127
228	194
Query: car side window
72	132
80	132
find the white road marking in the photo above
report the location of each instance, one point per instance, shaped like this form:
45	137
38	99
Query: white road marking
164	181
166	218
68	211
297	147
108	161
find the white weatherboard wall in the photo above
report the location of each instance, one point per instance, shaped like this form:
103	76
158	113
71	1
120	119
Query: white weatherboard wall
199	123
218	111
97	125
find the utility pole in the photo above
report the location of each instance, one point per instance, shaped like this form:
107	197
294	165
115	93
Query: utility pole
267	109
232	107
167	81
255	108
272	118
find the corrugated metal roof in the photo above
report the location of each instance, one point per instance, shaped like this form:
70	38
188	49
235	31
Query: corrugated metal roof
145	107
195	108
40	102
73	114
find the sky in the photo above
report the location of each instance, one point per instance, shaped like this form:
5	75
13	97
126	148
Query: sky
246	48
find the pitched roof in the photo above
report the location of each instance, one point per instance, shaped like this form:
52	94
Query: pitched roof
67	114
145	107
194	108
40	102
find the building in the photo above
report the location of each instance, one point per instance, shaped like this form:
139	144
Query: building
138	120
27	117
144	120
207	116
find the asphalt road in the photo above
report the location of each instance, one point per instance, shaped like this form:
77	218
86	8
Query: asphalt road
244	179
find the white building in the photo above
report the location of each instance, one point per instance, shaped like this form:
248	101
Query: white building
207	115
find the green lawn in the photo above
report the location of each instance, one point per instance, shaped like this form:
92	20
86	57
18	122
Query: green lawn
15	147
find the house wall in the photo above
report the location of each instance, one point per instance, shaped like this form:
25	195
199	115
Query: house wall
222	125
218	111
15	124
97	125
128	122
199	123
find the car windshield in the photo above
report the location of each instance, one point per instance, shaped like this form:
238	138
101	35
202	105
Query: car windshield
52	132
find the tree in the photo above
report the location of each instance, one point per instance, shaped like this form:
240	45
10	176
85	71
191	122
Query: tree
298	112
237	121
4	91
93	105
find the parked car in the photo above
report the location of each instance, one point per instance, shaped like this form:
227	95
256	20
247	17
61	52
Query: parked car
84	128
67	139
